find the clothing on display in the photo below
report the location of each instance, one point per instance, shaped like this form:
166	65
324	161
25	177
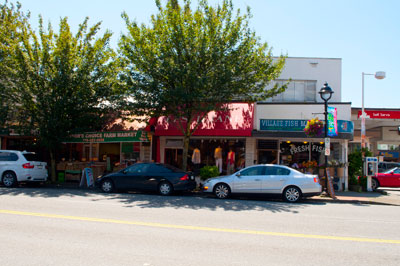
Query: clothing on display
196	157
230	162
218	158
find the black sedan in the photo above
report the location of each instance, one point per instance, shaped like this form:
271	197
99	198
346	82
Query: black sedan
148	176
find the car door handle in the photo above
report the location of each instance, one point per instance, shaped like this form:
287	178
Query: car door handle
257	179
282	179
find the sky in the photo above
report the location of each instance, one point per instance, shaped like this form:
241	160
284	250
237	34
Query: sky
365	34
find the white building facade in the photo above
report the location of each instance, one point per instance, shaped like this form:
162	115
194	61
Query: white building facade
278	135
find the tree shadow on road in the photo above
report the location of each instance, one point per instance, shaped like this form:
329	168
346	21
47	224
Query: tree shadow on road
193	201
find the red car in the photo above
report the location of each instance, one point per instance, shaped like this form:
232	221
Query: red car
390	178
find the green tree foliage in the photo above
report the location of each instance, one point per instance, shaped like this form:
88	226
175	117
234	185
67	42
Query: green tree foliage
12	23
191	61
355	162
65	82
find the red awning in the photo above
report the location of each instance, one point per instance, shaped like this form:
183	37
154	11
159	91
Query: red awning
238	121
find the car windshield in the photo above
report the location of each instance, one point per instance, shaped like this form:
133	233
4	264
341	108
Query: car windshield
391	170
32	157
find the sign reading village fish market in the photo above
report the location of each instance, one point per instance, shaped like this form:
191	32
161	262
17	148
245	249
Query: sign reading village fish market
99	137
343	126
282	125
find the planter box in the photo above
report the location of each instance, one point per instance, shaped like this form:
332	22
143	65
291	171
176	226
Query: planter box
356	188
340	171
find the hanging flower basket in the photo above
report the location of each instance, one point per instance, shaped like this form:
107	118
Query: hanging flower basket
314	127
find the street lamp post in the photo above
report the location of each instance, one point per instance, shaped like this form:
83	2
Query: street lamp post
326	94
378	75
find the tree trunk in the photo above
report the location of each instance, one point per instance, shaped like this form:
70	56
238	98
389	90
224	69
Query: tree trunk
53	166
186	140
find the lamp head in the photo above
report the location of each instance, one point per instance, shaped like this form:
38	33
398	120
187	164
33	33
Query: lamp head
326	92
380	75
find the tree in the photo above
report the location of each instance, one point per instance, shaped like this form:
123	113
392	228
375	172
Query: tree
356	163
65	82
190	62
12	23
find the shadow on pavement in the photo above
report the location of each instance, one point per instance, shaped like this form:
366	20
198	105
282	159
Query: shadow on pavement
193	201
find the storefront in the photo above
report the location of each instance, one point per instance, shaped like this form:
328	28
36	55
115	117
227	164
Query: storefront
220	136
382	130
278	139
103	151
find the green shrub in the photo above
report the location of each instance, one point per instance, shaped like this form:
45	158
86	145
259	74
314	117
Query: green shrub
355	162
208	172
362	180
353	180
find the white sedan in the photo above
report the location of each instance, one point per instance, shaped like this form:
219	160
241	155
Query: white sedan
265	179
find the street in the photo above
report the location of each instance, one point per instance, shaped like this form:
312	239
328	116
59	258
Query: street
47	226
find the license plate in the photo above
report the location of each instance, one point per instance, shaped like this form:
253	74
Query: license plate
40	166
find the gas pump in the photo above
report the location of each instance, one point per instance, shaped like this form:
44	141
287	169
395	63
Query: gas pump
370	169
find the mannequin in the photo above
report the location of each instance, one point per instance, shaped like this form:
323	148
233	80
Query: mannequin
218	158
230	162
196	159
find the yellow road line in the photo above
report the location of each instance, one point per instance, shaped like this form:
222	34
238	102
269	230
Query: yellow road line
200	228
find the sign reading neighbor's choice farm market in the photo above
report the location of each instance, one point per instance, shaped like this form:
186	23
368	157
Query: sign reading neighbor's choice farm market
122	136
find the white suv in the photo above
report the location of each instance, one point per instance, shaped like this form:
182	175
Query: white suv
21	166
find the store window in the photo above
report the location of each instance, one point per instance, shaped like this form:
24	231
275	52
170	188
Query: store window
297	91
130	152
206	149
294	154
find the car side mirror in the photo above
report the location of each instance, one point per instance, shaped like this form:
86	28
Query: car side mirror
238	174
124	171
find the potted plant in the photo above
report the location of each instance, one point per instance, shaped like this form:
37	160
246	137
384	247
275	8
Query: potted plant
310	166
340	169
314	127
332	165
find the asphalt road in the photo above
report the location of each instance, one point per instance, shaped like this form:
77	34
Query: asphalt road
41	226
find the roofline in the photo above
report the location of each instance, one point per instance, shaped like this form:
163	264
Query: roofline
374	109
300	103
300	57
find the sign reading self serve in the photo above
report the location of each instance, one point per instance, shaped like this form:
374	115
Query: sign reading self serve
299	125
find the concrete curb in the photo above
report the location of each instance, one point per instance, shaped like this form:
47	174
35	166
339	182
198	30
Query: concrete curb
371	202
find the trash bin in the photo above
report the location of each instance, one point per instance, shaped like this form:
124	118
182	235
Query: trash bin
61	176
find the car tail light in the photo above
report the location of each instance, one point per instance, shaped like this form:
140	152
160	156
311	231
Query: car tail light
47	167
316	180
28	166
183	178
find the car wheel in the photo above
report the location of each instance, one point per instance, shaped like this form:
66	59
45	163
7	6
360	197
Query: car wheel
165	188
292	194
222	191
9	179
374	184
107	186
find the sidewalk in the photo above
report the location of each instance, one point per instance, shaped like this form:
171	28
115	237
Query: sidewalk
377	197
382	197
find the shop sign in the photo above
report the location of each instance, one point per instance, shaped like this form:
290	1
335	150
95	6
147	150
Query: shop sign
332	122
378	114
389	154
99	137
343	126
305	148
282	125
